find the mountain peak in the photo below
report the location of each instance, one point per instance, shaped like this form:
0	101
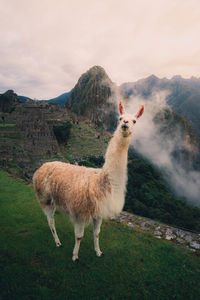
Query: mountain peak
95	74
152	77
177	77
96	69
90	97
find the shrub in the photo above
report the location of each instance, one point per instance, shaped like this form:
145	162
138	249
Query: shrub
62	132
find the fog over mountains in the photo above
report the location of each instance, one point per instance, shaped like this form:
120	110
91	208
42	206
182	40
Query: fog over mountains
182	95
167	134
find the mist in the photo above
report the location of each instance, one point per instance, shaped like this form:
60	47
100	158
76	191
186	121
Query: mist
151	142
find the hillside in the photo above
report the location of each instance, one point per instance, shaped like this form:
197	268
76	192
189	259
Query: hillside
138	264
27	139
86	140
183	95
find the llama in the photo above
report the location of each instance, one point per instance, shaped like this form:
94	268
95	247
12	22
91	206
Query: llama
87	193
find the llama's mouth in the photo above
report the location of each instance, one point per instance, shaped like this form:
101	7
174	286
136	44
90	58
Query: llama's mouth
124	127
125	130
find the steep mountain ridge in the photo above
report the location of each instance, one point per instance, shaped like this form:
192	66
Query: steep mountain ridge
92	97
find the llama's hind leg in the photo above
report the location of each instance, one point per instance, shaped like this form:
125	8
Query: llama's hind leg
49	211
79	232
97	226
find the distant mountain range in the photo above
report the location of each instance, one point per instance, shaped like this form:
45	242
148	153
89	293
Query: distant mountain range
59	100
183	95
90	96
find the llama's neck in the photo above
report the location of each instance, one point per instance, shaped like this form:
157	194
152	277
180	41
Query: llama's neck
116	168
116	156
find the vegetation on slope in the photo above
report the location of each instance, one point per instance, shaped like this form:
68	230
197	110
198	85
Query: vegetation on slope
8	101
135	265
62	132
149	195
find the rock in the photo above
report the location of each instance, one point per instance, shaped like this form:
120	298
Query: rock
195	245
169	237
143	226
193	250
113	218
180	241
188	238
137	223
169	231
157	228
131	224
157	233
152	223
180	233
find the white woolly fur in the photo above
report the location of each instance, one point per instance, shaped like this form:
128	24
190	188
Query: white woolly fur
87	193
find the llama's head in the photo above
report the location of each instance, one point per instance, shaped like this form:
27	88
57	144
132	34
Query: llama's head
127	121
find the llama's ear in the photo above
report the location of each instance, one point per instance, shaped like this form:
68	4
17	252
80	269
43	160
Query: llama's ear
140	112
121	108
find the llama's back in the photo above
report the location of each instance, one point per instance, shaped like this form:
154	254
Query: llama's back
75	189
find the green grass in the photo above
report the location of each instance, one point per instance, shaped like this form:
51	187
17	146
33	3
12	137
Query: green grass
135	265
7	124
11	138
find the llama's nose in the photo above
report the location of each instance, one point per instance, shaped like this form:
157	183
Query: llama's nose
124	126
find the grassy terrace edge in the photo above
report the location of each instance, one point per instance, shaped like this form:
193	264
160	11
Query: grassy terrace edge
135	265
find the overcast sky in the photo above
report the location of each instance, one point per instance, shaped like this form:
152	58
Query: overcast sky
45	45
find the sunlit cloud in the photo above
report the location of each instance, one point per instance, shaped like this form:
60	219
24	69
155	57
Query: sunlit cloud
47	45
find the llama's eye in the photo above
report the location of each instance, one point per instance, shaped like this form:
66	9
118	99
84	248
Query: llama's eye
134	121
120	119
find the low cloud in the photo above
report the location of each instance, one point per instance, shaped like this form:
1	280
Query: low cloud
153	144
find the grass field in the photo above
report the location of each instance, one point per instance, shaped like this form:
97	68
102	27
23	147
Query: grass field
7	124
135	265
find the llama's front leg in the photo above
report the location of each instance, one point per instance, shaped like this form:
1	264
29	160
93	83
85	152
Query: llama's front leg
97	226
79	232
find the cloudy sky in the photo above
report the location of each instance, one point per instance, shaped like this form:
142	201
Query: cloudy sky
45	45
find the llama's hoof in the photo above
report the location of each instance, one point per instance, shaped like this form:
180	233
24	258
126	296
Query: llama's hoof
101	254
75	259
58	245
